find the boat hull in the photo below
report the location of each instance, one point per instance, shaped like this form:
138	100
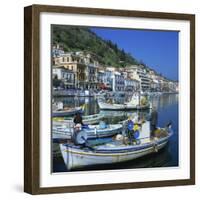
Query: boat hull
75	157
91	119
107	106
66	113
91	133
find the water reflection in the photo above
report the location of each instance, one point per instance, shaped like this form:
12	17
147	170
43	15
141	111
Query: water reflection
164	100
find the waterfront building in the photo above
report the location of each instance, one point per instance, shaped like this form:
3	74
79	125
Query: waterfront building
104	78
173	86
72	62
101	77
66	76
153	81
144	79
176	87
139	73
154	85
57	50
84	66
129	85
118	83
91	77
91	70
164	86
108	78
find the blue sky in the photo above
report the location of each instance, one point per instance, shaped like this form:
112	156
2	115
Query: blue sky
157	49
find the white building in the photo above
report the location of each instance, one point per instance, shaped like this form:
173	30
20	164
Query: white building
131	85
65	75
57	51
83	64
118	83
139	73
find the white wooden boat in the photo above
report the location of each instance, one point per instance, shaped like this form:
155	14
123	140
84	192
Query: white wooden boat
127	106
134	104
100	94
66	112
59	110
88	119
75	156
93	131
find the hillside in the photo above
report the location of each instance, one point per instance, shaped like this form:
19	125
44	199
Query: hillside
83	39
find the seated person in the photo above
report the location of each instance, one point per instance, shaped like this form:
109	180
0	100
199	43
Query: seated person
78	119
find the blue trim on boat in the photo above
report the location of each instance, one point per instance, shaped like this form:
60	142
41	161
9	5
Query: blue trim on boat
122	150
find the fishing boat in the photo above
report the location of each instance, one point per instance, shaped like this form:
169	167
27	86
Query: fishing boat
60	111
90	131
112	113
77	156
87	119
66	112
100	94
134	104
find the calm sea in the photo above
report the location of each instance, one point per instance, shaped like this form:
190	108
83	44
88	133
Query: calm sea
167	107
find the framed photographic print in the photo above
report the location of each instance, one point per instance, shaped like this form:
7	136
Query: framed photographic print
109	99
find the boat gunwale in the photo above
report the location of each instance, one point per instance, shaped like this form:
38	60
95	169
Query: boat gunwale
132	148
96	153
113	127
125	106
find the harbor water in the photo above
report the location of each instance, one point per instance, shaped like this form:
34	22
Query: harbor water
167	108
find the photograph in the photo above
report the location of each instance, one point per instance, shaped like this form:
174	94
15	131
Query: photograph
114	98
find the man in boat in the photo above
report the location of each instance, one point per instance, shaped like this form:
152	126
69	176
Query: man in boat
78	119
78	123
154	120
